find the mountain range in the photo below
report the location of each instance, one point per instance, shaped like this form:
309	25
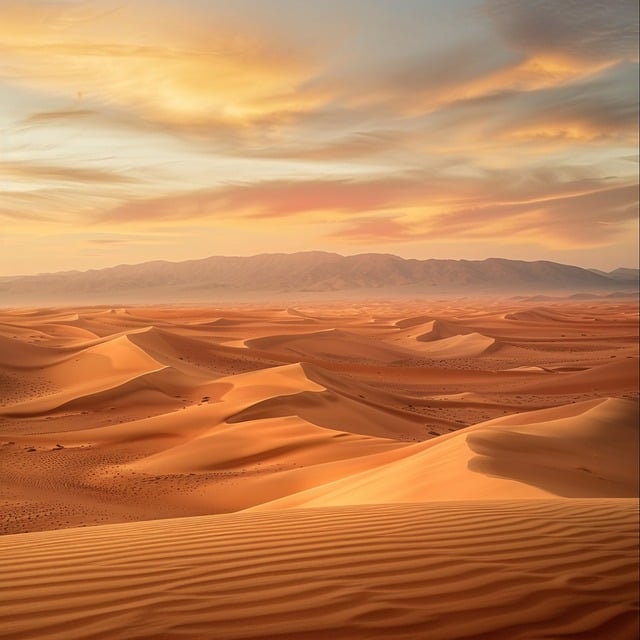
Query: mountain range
308	274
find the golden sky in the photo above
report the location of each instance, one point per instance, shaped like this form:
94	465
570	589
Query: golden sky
159	129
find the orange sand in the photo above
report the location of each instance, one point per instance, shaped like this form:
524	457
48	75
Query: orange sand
447	469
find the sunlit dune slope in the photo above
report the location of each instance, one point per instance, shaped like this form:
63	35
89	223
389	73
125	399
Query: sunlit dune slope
584	450
90	371
118	414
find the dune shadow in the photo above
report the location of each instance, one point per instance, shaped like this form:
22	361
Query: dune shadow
548	463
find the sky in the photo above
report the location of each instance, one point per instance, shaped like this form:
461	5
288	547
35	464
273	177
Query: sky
156	129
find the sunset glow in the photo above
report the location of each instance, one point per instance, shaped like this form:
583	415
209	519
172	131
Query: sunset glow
156	129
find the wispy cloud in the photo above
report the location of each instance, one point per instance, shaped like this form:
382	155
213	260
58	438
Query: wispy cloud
589	218
380	123
29	171
62	115
558	206
375	230
583	29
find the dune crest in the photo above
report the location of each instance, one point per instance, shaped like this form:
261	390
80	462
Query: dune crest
586	450
310	471
156	411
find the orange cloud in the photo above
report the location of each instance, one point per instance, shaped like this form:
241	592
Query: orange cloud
158	64
272	199
580	219
397	126
30	171
376	230
546	206
589	30
233	88
45	117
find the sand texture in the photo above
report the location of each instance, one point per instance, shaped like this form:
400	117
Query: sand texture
442	469
464	569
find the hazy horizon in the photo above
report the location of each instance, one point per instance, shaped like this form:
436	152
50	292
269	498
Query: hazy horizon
342	254
159	130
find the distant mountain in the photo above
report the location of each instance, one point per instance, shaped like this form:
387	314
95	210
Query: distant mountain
307	273
622	274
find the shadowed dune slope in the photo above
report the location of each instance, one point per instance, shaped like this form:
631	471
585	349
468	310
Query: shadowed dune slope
525	569
271	441
112	414
613	375
459	346
343	404
332	344
16	354
585	450
92	370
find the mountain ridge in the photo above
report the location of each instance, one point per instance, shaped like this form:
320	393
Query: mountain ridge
310	272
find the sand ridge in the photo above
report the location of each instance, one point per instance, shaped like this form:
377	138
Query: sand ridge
586	450
153	410
309	471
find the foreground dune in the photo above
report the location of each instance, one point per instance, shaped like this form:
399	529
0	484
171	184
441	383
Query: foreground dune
467	569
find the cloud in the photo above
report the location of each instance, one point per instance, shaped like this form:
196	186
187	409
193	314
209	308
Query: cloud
30	171
600	108
265	199
423	81
60	204
583	29
374	230
161	66
361	145
219	82
440	120
14	216
269	199
605	104
102	241
590	218
63	115
129	239
558	206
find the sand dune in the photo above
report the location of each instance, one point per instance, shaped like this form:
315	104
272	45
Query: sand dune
526	569
271	440
17	354
618	374
342	404
331	344
89	371
586	450
459	346
441	339
174	349
157	399
446	469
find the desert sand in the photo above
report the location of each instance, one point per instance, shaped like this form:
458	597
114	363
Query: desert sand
421	469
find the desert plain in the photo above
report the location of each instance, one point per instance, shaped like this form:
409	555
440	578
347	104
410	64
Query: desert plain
462	468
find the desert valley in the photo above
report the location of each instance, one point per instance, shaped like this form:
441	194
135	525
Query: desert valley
445	468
